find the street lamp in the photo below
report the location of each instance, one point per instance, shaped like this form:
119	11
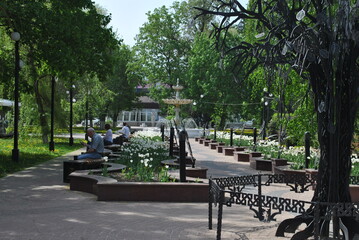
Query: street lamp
265	113
52	143
87	114
266	101
72	100
15	36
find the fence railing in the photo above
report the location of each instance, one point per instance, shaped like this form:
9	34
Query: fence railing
231	190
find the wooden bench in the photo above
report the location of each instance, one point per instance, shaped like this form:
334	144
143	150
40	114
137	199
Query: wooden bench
84	164
106	152
113	147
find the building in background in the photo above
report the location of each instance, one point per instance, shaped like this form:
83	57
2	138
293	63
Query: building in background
147	114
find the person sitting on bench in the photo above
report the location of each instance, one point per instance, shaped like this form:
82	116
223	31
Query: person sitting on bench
95	148
125	133
107	139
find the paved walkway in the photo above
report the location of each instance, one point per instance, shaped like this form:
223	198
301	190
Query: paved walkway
36	205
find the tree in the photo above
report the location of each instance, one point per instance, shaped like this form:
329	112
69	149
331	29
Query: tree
161	50
123	82
65	39
210	83
319	40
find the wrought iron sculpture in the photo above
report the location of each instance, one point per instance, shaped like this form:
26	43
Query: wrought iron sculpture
320	41
232	190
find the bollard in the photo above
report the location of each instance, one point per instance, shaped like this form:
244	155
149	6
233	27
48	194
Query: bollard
172	133
231	140
163	132
307	149
255	138
182	155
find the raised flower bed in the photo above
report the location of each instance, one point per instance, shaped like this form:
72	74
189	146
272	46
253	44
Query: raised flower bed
109	189
145	177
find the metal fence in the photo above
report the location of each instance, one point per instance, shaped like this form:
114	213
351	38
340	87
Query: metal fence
230	190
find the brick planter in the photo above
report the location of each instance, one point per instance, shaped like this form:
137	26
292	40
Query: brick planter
278	162
196	172
255	154
156	192
108	189
201	140
259	163
213	145
220	148
241	156
207	142
354	192
228	151
286	170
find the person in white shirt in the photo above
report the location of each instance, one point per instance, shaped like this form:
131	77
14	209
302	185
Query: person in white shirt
125	131
107	139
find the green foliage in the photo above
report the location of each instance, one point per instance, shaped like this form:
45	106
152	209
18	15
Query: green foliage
69	40
303	120
162	51
212	84
122	82
161	48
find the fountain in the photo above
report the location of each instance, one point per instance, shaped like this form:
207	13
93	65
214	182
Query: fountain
189	124
177	102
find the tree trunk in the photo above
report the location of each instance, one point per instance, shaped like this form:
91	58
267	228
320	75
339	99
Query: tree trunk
42	114
336	99
114	119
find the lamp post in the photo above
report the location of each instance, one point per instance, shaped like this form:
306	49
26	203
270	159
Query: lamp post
87	115
15	36
266	101
72	100
265	116
52	143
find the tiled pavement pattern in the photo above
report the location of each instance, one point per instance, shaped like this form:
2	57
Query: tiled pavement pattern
36	205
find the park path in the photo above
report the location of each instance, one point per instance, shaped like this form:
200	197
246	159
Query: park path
36	205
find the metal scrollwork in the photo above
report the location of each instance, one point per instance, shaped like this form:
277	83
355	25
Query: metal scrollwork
229	191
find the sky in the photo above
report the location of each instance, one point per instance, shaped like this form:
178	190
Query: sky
129	15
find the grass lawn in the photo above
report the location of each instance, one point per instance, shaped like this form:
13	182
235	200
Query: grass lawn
32	152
